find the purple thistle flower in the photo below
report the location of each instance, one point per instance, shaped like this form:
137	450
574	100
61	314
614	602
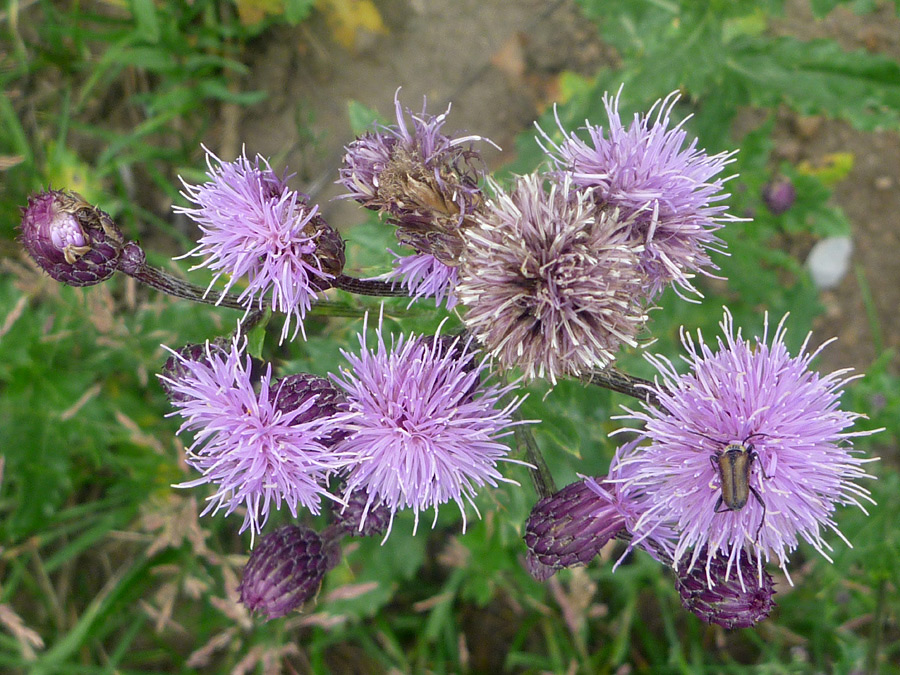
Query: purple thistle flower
667	193
424	276
72	241
799	463
550	283
425	428
426	183
256	451
254	226
732	601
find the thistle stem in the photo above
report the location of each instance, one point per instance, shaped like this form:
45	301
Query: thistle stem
134	263
386	289
615	380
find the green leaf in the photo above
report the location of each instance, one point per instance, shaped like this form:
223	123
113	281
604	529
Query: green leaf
296	11
147	24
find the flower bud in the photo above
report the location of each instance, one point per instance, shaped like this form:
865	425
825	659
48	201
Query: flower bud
329	252
569	528
293	391
741	600
72	241
285	570
779	195
359	520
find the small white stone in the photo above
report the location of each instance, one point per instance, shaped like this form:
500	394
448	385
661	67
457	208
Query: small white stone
829	261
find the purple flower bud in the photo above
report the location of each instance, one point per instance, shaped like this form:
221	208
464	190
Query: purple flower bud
286	569
72	241
569	528
292	392
362	516
779	195
731	596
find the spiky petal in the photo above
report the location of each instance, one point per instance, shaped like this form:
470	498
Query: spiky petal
254	450
254	226
756	394
669	194
422	438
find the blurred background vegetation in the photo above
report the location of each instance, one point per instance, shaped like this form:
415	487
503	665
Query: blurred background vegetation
104	568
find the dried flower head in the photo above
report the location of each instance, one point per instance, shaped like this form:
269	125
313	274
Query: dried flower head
668	194
549	282
420	435
254	448
748	451
72	241
286	569
254	226
719	595
426	183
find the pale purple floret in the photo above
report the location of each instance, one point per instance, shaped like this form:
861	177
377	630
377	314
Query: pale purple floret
254	226
425	428
255	453
754	393
621	499
424	276
549	283
670	194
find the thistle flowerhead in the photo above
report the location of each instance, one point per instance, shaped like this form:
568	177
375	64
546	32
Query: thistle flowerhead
550	283
286	569
254	226
668	194
425	428
426	184
257	450
570	527
728	597
792	461
72	241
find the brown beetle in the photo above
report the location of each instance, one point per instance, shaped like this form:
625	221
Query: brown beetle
733	464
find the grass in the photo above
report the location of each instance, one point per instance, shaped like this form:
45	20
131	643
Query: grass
104	567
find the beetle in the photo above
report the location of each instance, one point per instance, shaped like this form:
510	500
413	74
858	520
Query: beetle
733	464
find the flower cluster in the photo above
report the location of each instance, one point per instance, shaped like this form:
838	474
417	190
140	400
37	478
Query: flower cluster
747	453
733	464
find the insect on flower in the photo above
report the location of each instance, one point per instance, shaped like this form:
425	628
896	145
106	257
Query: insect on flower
733	464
